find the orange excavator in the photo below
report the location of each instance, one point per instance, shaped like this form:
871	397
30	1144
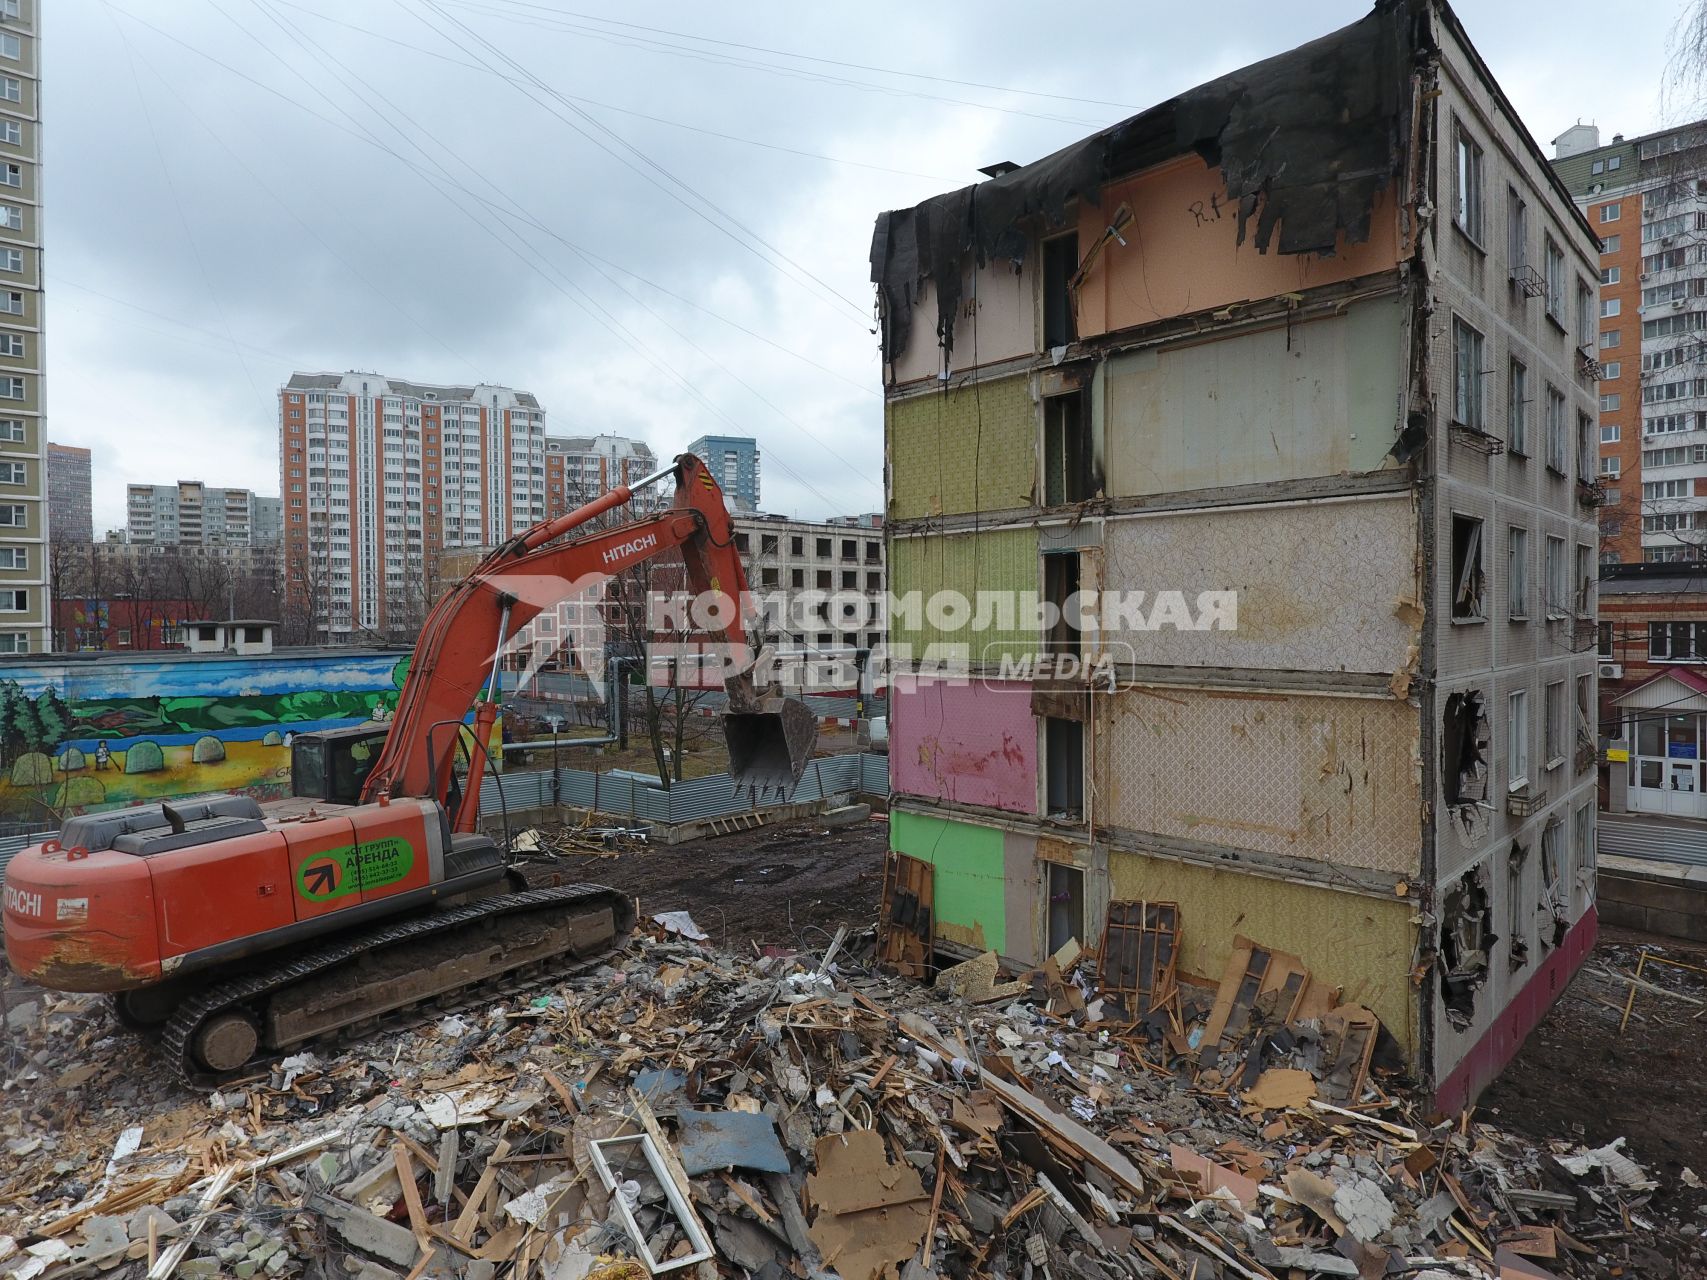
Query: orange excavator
234	932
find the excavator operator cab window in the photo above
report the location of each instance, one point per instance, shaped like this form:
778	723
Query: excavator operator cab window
333	767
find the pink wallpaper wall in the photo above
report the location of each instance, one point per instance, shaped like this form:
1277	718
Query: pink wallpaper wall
970	743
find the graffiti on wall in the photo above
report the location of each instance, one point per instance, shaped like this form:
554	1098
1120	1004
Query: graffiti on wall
76	736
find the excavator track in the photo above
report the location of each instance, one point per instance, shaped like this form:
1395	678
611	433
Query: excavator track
392	976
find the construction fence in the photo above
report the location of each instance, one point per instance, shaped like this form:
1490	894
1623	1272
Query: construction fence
693	800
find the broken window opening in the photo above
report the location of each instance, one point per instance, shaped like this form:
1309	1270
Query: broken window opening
1464	749
1464	942
1060	589
1067	456
1518	946
1064	768
1587	746
1060	265
1553	916
1066	905
1467	576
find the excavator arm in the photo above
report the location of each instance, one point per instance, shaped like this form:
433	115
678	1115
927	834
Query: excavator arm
457	656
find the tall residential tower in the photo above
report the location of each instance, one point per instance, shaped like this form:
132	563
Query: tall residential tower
24	622
379	476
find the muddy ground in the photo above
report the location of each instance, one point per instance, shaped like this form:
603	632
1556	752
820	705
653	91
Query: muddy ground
1578	1077
788	885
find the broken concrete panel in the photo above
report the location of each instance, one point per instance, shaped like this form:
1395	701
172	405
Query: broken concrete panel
1289	403
1298	608
363	1230
1330	779
966	743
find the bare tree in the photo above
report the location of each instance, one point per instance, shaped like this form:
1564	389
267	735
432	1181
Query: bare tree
307	596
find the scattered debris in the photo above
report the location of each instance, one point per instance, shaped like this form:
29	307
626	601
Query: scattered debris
683	1110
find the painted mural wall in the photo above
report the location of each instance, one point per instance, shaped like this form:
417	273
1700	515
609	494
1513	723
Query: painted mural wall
969	743
84	735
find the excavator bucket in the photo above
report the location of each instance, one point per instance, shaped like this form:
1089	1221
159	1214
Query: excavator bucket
769	747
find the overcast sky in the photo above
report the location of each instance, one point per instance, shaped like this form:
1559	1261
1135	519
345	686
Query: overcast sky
660	230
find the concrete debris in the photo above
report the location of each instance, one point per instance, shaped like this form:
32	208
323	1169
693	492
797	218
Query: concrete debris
810	1118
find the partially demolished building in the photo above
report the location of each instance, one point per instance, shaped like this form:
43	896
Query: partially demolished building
1306	357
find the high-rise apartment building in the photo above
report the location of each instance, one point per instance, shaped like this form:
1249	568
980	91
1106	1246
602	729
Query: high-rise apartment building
1241	546
734	461
580	468
24	612
1646	197
379	476
266	521
191	513
69	518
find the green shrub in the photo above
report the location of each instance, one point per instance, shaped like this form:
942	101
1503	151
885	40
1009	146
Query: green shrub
208	750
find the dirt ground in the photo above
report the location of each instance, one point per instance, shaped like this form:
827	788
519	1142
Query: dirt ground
787	885
1577	1077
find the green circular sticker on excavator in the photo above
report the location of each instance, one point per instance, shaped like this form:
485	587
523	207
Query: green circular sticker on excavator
372	864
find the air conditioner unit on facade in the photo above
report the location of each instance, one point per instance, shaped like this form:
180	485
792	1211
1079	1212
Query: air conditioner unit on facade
1611	671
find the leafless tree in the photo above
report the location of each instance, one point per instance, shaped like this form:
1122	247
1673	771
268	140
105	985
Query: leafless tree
307	596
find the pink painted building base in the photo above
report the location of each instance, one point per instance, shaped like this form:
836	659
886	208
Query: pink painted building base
1490	1055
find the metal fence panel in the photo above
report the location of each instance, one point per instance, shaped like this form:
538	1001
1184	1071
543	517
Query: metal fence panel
692	800
10	845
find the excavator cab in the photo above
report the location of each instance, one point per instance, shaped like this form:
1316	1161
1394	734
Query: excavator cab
333	764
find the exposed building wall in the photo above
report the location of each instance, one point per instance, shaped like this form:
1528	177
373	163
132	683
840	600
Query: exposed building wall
1331	779
1183	256
1367	944
1537	808
996	321
1298	607
970	875
1002	562
966	448
973	744
1295	400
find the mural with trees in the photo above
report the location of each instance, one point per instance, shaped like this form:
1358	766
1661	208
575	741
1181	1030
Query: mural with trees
96	733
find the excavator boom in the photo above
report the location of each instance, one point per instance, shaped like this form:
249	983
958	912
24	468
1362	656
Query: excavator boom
770	737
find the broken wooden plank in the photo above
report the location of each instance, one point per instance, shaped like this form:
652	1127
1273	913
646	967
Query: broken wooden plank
464	1224
411	1195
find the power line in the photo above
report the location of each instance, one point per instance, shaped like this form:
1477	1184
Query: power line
487	69
829	62
579	296
753	237
364	136
624	40
178	205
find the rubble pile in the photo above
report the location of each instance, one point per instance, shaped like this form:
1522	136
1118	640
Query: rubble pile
687	1111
